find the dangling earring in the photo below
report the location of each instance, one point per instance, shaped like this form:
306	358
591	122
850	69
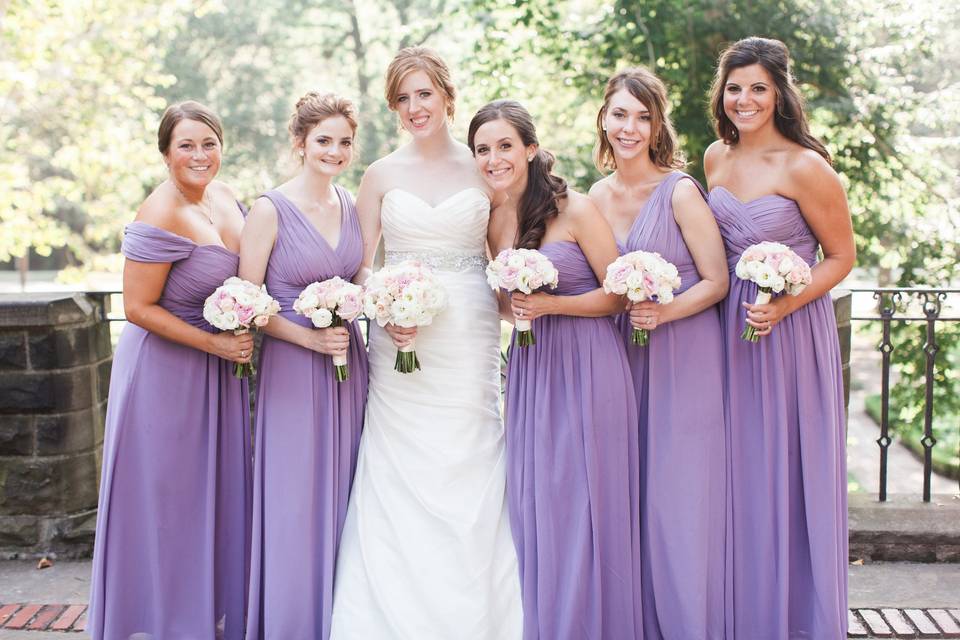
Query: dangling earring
530	158
301	153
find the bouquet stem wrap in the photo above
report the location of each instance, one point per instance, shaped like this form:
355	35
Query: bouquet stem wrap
525	336
642	276
764	294
407	361
340	371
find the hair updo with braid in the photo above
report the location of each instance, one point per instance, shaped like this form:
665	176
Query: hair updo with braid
313	108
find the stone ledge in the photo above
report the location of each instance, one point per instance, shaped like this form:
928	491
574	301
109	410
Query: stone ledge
904	528
45	309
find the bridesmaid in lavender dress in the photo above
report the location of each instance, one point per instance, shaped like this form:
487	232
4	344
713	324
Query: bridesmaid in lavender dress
572	474
653	207
771	180
307	424
170	558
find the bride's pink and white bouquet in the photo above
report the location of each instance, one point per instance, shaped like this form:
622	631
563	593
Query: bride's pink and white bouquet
775	268
239	306
523	270
406	294
641	276
329	304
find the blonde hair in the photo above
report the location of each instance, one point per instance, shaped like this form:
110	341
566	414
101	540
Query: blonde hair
313	108
650	90
424	59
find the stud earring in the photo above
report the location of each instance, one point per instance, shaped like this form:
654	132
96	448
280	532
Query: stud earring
301	153
529	158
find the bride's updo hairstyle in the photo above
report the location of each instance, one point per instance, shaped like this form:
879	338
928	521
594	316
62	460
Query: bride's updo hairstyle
643	85
789	117
315	107
424	59
544	190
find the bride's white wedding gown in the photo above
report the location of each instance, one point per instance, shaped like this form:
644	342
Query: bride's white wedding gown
426	552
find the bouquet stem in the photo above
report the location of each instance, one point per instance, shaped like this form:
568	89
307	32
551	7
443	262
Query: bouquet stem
640	337
525	336
407	361
340	371
243	369
749	331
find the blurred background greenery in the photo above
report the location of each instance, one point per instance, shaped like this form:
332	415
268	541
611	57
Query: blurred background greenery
83	83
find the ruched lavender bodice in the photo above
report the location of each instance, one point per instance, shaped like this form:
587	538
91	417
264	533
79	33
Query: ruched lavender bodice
575	274
302	256
196	272
771	218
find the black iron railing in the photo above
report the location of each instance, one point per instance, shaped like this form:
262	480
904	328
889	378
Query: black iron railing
905	305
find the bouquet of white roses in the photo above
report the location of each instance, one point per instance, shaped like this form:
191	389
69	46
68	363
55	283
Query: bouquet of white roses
523	270
238	306
406	294
775	268
329	304
642	275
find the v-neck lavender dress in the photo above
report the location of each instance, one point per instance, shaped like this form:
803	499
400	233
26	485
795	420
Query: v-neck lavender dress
307	433
572	471
786	458
172	543
678	379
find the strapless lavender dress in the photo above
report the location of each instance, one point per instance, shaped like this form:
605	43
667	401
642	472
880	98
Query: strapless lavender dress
307	433
572	471
786	457
678	378
172	543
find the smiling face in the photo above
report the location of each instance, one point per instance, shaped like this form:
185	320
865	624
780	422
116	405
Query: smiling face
749	98
194	154
628	125
421	106
501	156
328	147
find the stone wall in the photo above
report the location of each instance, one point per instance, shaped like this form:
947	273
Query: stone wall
55	358
842	307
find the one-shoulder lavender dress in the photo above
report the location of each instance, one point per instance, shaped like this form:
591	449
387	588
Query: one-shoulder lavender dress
172	542
572	470
678	378
786	458
307	433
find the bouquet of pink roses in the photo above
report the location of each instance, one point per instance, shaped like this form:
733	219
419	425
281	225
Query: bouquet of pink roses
775	268
523	270
406	294
239	306
642	275
329	304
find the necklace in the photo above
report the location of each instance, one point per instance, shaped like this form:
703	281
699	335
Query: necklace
206	211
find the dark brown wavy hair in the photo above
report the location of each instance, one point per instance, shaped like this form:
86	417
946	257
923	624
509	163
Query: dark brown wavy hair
649	90
789	118
540	200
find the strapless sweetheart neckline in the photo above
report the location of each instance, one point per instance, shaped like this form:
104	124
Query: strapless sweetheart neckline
443	201
752	200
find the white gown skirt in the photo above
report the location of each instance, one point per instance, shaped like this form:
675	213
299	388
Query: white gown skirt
426	551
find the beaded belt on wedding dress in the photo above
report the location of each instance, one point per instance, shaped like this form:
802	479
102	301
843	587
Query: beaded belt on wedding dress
438	260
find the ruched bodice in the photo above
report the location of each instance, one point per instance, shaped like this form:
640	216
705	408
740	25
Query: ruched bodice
302	256
656	229
574	273
771	218
458	224
198	269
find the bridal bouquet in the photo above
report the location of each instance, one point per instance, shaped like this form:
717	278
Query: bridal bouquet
523	270
406	294
329	304
642	275
775	268
238	306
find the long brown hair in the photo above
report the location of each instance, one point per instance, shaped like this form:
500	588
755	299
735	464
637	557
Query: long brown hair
544	190
649	90
789	117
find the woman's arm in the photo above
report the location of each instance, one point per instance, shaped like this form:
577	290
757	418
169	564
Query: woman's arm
818	191
702	237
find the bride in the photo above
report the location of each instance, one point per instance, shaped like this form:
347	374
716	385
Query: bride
426	551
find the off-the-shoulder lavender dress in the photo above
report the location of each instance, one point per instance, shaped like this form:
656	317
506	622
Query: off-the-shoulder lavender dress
786	459
307	433
678	378
172	541
572	470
